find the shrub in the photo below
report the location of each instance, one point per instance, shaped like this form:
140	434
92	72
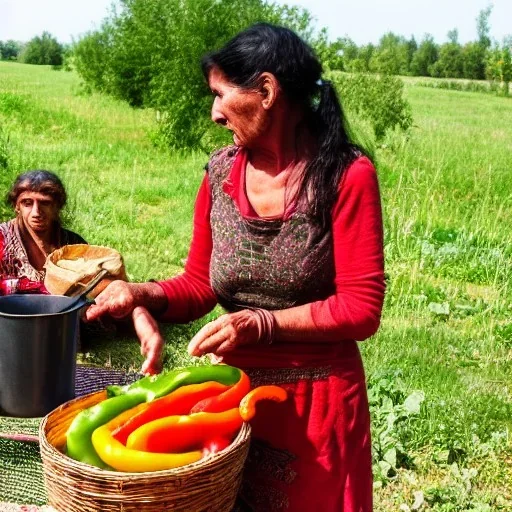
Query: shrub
43	50
149	57
377	99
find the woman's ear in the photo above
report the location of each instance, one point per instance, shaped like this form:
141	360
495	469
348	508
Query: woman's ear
269	90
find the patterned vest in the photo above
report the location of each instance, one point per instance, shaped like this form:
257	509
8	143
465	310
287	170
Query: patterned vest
14	260
266	263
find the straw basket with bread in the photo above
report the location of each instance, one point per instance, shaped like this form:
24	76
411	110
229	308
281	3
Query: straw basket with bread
71	267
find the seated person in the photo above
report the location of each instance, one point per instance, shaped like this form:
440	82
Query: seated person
37	198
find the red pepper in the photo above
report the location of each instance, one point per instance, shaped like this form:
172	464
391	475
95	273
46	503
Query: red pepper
213	446
227	400
177	402
181	433
248	403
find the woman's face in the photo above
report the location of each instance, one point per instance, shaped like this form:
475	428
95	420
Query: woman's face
38	211
238	110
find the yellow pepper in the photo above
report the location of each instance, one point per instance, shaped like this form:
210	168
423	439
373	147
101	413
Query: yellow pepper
119	457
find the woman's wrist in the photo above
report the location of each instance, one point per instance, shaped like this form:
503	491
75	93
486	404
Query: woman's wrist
266	323
149	295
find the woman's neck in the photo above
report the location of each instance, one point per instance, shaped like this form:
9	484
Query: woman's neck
284	146
37	245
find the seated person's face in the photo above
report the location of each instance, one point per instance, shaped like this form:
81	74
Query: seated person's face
38	211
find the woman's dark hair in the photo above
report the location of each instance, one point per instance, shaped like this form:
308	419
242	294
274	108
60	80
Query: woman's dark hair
269	48
44	182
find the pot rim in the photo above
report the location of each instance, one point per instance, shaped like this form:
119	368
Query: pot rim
80	304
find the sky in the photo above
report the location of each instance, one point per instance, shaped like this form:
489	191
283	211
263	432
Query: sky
363	21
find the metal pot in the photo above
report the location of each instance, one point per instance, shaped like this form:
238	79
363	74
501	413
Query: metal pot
38	344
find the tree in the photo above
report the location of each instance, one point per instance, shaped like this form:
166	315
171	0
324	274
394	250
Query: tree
473	61
453	36
425	57
330	54
355	59
92	58
43	50
10	49
149	56
499	65
412	48
483	27
391	55
450	62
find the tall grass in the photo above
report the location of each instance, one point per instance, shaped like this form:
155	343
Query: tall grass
447	323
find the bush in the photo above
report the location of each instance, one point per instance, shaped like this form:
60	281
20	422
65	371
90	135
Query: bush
148	56
43	50
377	99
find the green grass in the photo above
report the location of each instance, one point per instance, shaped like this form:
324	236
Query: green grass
447	322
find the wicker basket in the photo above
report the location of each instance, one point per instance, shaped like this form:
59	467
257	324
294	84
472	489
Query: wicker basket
207	485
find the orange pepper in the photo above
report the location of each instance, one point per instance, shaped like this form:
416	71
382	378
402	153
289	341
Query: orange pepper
226	400
179	433
248	403
178	402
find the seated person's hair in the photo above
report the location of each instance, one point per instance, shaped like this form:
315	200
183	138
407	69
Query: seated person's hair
44	182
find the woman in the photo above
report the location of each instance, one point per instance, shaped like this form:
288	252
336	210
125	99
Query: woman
37	197
288	238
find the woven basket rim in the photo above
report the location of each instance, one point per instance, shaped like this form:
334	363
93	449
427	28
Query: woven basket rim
52	452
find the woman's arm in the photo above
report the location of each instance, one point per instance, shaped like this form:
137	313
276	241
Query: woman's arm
353	311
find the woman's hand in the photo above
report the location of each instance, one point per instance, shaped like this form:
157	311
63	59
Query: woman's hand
226	332
116	300
151	341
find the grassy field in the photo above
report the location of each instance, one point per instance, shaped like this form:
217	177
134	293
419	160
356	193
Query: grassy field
439	370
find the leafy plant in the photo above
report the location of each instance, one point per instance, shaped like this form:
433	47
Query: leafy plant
378	99
44	49
390	408
149	57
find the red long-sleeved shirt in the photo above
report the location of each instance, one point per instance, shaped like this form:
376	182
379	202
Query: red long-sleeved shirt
353	311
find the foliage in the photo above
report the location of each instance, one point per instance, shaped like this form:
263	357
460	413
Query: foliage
449	63
499	66
44	49
390	408
392	55
9	50
425	56
378	99
149	57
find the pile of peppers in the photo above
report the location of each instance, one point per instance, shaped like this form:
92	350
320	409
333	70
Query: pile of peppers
168	420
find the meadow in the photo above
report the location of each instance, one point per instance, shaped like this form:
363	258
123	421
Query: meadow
440	367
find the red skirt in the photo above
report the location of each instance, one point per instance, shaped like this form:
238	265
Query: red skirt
312	452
